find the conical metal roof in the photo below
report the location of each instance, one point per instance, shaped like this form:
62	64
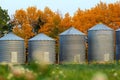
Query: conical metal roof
100	27
118	29
11	36
72	31
41	36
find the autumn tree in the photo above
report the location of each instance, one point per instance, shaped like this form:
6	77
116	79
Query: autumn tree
79	19
48	15
52	25
66	22
28	22
23	24
114	15
102	12
34	21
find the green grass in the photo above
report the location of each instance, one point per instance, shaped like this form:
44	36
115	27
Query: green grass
66	72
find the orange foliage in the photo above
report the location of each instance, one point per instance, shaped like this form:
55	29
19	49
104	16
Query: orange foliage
66	22
20	16
108	14
25	31
52	23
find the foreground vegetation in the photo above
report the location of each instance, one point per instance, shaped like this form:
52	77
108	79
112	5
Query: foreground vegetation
60	72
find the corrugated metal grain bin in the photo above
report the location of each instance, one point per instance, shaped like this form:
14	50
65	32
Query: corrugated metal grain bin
100	44
12	49
42	49
72	46
118	44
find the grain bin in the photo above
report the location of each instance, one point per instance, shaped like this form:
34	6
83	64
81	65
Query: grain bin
42	49
100	44
12	49
118	44
72	46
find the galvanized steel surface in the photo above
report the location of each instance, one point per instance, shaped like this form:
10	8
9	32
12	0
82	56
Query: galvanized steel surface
72	46
101	45
42	50
72	49
72	31
118	44
7	47
100	27
41	36
11	36
37	49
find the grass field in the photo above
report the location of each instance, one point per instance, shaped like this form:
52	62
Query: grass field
60	72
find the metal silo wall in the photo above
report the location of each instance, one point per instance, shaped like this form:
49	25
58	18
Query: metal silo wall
100	46
72	49
117	45
12	46
37	50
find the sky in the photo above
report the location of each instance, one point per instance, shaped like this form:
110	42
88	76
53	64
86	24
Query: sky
63	6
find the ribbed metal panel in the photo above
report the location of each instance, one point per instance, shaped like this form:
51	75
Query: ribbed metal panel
72	47
118	44
8	46
41	50
100	44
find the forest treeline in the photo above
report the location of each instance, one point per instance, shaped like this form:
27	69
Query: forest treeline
29	22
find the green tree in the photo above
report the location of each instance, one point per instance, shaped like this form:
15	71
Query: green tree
4	18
